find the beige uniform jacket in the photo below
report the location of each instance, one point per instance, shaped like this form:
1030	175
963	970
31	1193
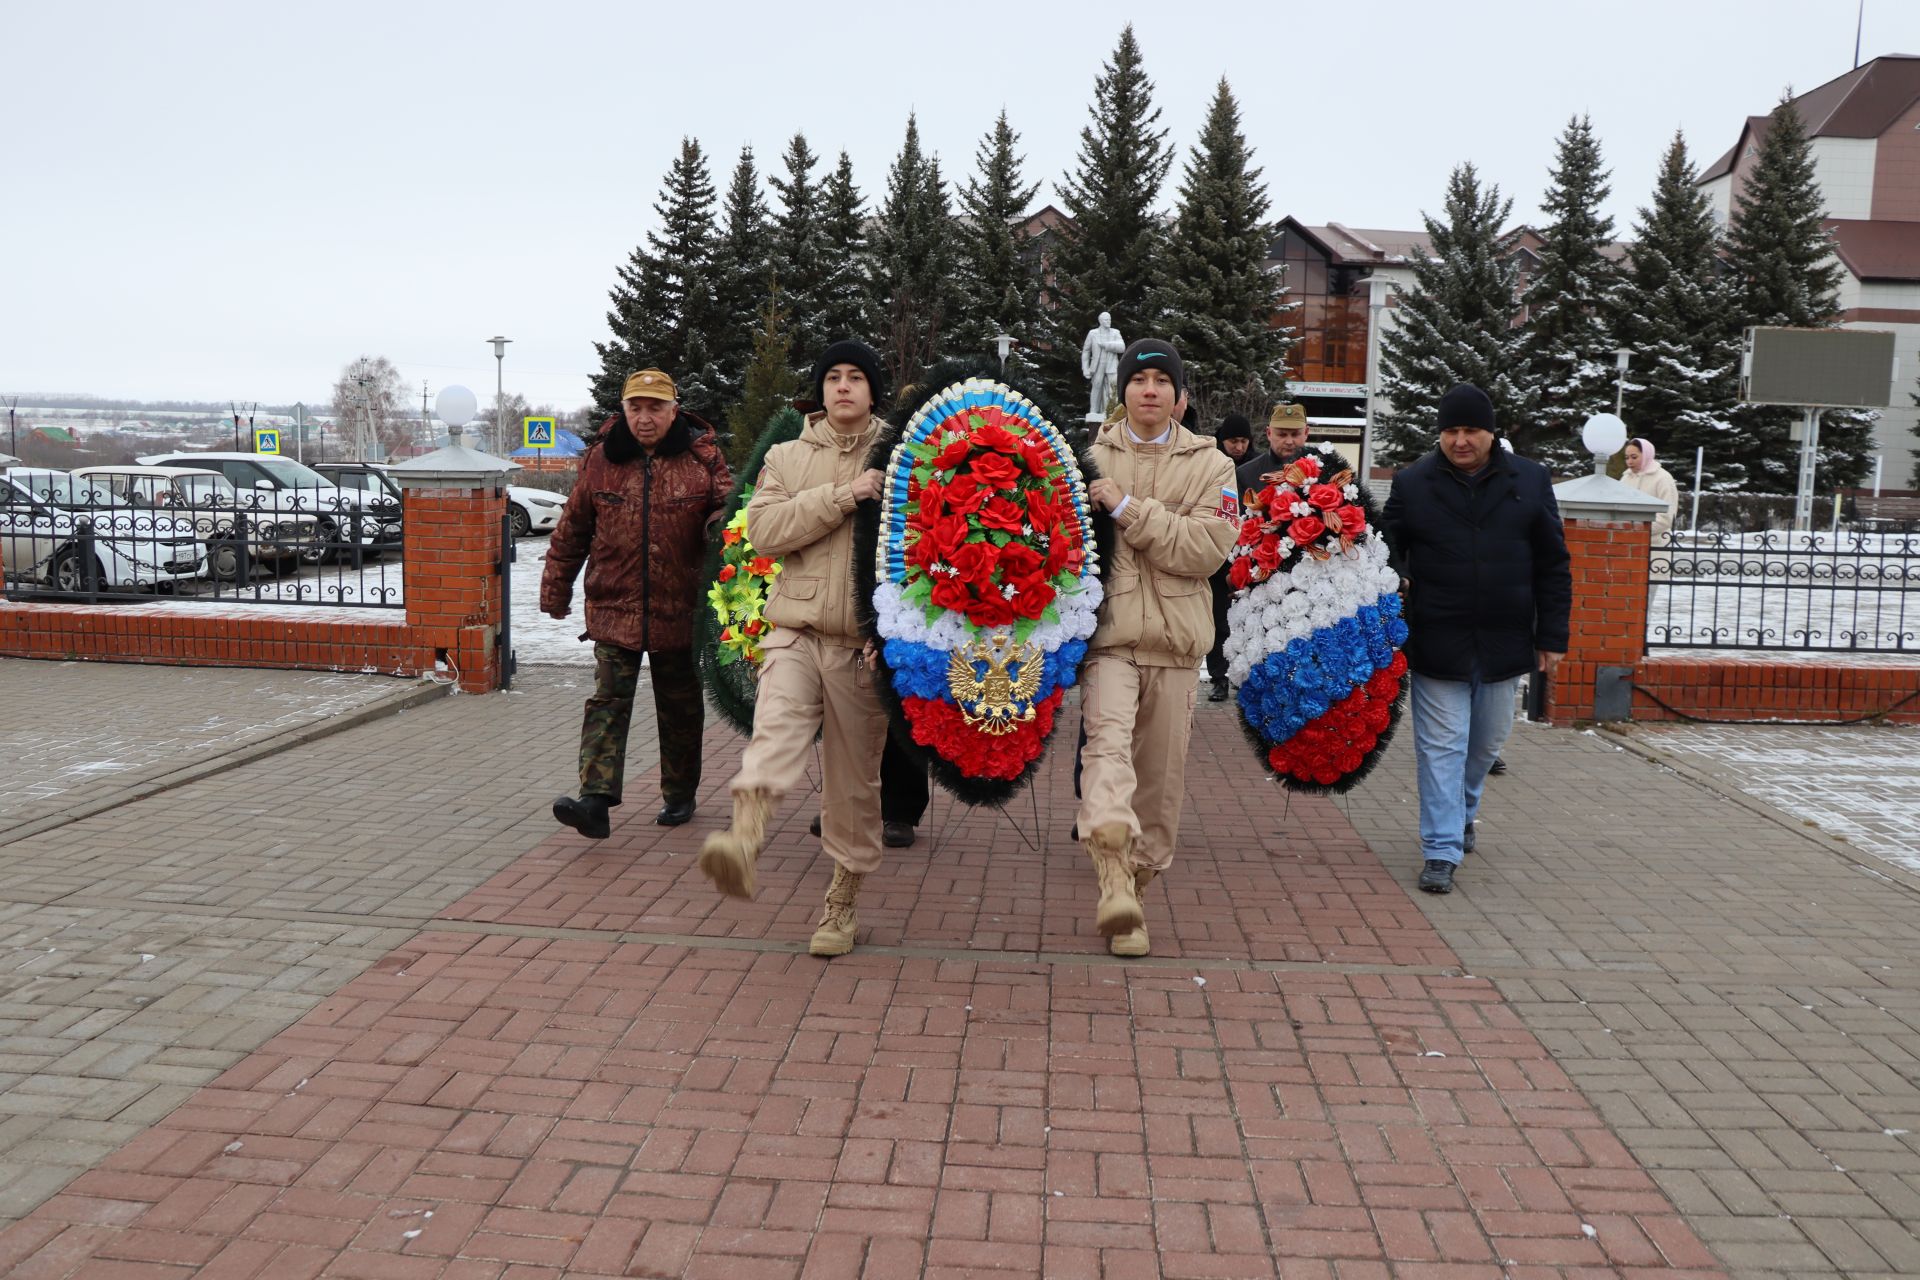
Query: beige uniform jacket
800	513
1158	607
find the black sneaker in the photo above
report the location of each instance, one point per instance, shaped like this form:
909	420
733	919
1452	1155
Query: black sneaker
813	828
675	813
1437	876
1219	693
1498	768
587	815
1468	839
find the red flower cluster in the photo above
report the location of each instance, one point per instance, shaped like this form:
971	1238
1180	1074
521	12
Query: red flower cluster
1330	524
941	725
985	477
1336	744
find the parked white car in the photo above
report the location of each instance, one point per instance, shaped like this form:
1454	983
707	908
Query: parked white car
44	536
298	488
272	536
529	510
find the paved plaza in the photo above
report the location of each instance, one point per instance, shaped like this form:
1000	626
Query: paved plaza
354	1006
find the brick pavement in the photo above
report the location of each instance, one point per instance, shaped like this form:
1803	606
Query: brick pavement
1739	1001
591	1066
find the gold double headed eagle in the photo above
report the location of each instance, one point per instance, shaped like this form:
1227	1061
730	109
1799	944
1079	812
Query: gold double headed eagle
996	703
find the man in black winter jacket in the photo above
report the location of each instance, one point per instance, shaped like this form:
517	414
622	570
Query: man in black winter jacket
1476	536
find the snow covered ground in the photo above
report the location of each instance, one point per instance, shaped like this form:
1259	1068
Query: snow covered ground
1859	781
537	638
1787	592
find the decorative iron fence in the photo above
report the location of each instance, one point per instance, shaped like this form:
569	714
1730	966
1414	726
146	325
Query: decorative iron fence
1852	591
75	539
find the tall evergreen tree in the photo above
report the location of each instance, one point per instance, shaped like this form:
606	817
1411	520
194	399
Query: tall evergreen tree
1567	356
847	308
1783	272
742	271
1221	304
1103	259
1685	373
769	383
652	320
799	247
913	261
999	273
1456	325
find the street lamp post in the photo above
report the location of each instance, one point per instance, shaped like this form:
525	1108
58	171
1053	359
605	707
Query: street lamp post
1621	359
1003	343
1378	292
499	393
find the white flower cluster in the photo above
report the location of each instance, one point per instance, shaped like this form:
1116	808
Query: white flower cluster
902	621
1313	595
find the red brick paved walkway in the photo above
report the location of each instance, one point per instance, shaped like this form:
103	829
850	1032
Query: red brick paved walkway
597	1067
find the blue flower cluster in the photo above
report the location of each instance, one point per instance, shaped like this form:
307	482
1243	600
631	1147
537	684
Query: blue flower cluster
1300	683
920	671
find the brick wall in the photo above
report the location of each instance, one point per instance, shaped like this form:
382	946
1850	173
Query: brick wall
1610	628
452	617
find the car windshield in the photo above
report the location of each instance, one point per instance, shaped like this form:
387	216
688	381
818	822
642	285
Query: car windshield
64	490
208	491
292	475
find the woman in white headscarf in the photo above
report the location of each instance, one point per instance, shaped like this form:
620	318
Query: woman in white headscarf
1652	479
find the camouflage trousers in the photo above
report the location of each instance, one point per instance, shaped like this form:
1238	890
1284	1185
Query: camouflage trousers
677	707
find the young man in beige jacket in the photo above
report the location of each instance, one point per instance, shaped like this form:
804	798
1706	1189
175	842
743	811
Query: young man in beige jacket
816	676
1170	493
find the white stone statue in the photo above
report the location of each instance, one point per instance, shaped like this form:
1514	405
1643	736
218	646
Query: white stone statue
1100	361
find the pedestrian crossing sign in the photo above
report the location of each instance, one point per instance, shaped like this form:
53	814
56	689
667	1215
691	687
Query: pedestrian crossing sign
538	432
266	440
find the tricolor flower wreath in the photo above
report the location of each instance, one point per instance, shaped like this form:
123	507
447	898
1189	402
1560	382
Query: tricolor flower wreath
984	583
1314	630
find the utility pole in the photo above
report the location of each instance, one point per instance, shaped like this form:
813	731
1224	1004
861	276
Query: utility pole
426	423
13	426
236	425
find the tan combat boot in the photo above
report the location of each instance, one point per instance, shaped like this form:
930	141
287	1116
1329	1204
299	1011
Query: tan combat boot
1111	848
834	937
728	857
1135	942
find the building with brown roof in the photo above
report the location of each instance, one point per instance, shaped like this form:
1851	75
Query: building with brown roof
1864	128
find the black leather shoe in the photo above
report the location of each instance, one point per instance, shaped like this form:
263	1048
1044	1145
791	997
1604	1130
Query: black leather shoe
813	828
1437	876
1498	768
675	815
896	835
1219	693
587	815
1468	839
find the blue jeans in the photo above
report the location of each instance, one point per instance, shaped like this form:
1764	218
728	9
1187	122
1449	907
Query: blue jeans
1459	727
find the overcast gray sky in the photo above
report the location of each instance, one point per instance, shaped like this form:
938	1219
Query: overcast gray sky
233	200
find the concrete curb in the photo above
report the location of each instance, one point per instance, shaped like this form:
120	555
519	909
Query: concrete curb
416	694
1855	857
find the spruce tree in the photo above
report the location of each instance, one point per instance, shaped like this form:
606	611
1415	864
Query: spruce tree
769	383
999	274
1221	304
1685	373
1783	273
799	248
1567	355
741	275
913	262
652	320
1103	259
1455	326
846	304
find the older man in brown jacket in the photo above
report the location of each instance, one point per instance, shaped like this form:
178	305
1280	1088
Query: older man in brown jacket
637	517
816	676
1170	493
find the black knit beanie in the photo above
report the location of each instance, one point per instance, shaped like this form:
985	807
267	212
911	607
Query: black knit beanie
1467	406
858	354
1234	427
1152	353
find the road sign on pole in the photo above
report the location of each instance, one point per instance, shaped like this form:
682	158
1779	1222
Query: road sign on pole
537	433
266	440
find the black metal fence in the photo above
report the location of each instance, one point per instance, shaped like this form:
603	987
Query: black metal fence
83	542
1852	591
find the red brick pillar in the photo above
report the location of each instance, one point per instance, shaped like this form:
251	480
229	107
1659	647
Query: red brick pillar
452	546
1608	527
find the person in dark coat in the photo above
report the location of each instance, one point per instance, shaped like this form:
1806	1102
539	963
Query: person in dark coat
1286	440
1476	536
637	518
1235	439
